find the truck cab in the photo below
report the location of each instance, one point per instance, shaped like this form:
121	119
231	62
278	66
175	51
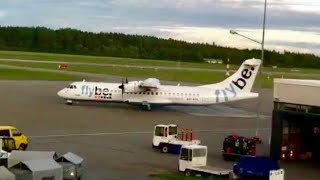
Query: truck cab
21	141
193	160
164	133
167	138
6	146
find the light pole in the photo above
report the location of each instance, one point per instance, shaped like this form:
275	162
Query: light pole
236	33
262	59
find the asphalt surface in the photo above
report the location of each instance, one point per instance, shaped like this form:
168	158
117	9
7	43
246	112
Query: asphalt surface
115	139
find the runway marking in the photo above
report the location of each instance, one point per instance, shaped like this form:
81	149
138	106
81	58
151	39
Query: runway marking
136	132
91	134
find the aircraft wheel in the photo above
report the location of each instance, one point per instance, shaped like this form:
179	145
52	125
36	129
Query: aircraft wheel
69	102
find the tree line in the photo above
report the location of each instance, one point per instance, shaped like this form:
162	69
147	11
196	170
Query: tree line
73	41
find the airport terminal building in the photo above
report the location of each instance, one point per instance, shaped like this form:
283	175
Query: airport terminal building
296	120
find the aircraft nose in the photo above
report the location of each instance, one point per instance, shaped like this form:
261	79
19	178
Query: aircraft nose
61	93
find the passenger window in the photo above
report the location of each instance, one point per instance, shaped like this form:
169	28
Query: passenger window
156	93
5	133
151	93
15	132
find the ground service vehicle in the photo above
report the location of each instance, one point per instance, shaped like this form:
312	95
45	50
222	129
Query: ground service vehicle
258	167
20	139
6	146
193	161
168	140
235	146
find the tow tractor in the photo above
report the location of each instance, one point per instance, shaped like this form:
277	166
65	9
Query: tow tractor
168	140
193	161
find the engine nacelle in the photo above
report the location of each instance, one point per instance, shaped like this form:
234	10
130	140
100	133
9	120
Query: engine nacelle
132	86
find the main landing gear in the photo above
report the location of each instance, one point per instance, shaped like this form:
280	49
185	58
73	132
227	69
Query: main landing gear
146	106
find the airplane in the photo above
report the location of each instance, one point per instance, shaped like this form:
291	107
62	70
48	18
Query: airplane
150	92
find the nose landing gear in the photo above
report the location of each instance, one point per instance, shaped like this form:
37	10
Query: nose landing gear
69	102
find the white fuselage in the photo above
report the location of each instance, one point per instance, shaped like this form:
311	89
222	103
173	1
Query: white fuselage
236	87
163	94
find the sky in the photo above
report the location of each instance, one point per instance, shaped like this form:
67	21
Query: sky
292	25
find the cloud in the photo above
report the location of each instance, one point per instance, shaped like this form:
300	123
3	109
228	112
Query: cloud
290	23
3	14
275	39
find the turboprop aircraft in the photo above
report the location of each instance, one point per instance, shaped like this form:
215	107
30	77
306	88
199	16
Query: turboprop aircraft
151	92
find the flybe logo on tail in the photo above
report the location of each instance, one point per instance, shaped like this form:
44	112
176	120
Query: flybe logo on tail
241	83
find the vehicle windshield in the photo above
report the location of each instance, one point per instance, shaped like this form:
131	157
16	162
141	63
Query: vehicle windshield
199	152
15	132
159	131
8	144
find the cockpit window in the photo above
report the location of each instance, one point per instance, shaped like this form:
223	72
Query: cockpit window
72	87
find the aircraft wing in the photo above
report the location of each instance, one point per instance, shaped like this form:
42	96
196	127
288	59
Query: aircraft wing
134	86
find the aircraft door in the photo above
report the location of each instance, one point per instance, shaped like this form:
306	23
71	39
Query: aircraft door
205	98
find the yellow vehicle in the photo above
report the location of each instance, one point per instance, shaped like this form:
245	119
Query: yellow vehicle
20	139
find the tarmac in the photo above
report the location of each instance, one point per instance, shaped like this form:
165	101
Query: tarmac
115	139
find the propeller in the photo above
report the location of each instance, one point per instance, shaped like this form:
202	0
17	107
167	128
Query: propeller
122	85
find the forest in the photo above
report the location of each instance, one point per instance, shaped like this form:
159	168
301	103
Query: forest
73	41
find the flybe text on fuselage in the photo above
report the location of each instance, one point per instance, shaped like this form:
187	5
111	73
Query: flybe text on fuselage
240	83
95	91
